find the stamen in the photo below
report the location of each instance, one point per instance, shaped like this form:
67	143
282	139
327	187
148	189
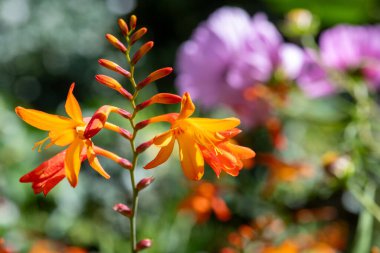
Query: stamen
40	143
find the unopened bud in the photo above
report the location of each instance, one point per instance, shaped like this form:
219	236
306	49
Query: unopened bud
123	27
133	22
142	51
158	74
138	34
113	84
116	43
114	67
125	163
160	98
123	210
143	146
143	244
144	183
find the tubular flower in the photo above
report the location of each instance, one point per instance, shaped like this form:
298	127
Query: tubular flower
201	139
65	131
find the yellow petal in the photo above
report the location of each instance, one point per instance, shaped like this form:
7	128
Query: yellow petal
73	161
72	106
191	157
93	160
62	137
163	139
43	120
162	155
215	125
187	106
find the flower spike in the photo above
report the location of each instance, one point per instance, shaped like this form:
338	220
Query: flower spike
116	43
158	74
144	49
114	67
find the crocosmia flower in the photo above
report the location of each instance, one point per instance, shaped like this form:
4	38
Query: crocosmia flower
344	51
64	131
230	53
199	140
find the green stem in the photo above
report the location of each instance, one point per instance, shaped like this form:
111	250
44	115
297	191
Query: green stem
135	192
363	236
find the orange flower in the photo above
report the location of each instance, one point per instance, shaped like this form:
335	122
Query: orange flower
205	200
200	139
63	131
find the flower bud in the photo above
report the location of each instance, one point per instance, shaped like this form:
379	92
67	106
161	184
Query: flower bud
125	163
160	98
113	84
123	27
116	43
143	146
158	74
143	244
145	182
169	117
114	67
137	35
142	51
133	22
123	210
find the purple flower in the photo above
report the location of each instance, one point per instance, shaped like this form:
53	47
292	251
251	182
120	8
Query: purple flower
344	50
231	52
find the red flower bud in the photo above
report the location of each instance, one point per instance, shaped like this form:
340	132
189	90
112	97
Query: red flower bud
142	51
137	35
123	27
144	183
143	146
116	43
123	210
158	74
143	244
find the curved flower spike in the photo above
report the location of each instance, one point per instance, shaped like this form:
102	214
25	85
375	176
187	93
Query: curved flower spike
65	131
201	139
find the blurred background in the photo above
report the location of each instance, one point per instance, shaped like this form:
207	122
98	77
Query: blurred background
287	195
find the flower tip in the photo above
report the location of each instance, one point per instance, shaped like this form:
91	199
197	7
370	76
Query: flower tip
123	26
133	22
143	244
122	209
145	182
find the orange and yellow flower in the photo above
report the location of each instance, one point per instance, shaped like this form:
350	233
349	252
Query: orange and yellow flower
63	131
199	140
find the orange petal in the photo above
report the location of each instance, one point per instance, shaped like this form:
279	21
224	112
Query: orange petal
72	106
241	152
93	160
62	137
44	121
163	139
162	155
187	106
191	157
73	161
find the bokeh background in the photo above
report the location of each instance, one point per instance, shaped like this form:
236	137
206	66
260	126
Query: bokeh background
47	45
